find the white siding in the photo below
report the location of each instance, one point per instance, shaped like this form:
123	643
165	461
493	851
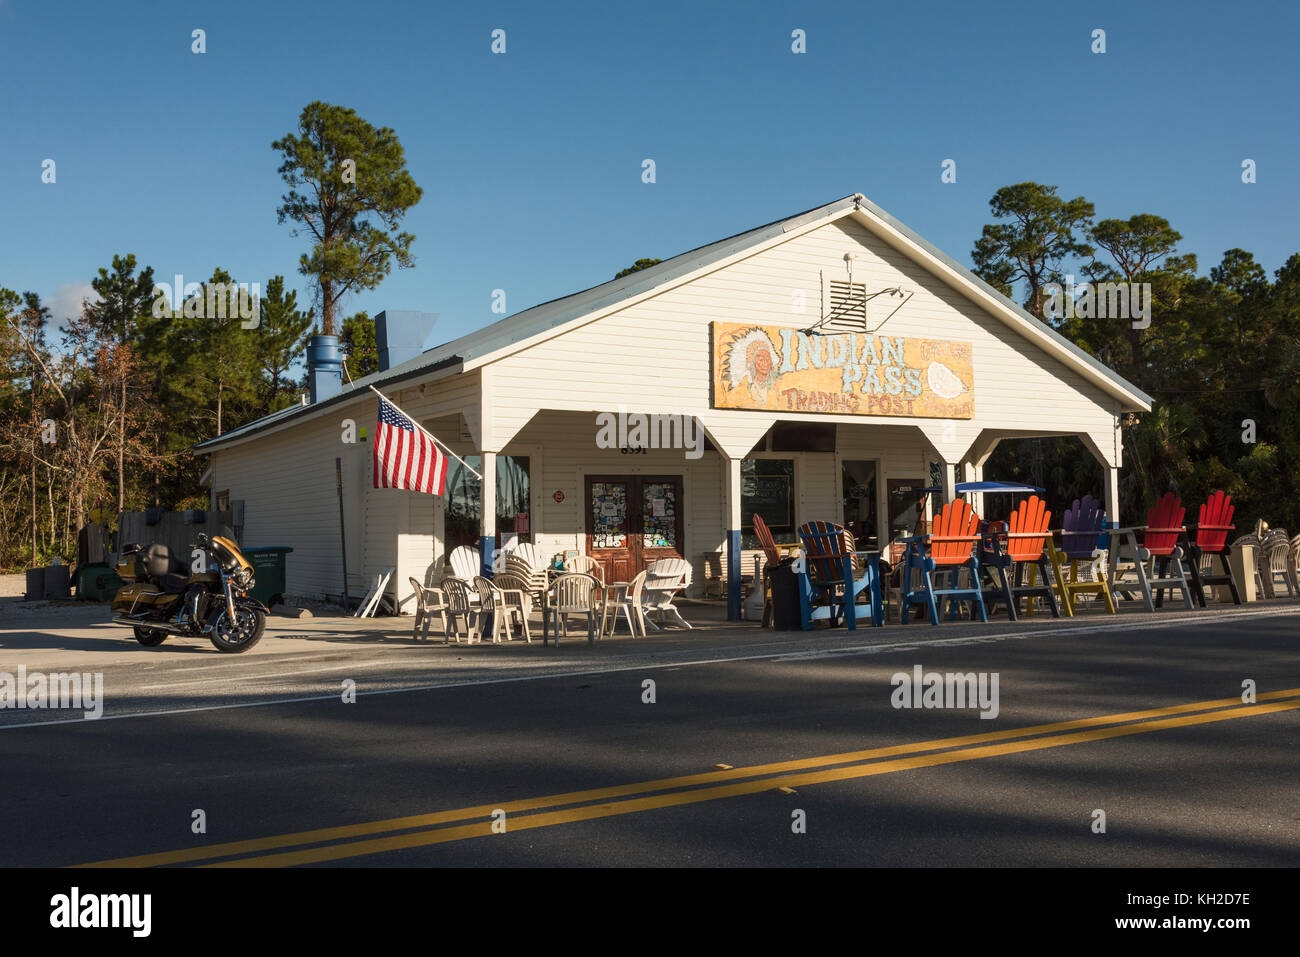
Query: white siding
287	482
563	452
654	356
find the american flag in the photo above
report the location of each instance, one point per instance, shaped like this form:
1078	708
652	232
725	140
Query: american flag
406	457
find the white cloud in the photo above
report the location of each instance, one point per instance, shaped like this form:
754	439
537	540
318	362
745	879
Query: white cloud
66	302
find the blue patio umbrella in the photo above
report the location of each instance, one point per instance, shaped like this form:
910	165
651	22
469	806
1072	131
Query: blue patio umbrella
963	488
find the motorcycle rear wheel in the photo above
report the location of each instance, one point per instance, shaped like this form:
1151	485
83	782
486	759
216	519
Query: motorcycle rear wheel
244	634
150	637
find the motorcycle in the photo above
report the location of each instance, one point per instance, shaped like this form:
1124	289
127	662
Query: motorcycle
162	595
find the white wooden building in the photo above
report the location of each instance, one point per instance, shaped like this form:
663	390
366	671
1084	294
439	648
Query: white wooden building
830	360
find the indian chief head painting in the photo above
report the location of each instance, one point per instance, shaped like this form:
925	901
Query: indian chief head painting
750	354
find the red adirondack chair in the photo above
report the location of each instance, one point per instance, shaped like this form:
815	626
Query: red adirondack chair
773	554
1009	549
951	547
765	540
1164	525
1211	538
1214	523
1160	540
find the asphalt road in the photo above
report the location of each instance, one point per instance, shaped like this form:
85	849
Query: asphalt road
750	734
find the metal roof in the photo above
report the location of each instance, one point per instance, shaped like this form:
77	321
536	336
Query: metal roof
504	333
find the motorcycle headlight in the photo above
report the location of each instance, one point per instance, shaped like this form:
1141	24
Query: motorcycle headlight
244	578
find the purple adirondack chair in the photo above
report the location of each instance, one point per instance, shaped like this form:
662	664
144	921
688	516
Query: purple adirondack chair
1081	528
1083	523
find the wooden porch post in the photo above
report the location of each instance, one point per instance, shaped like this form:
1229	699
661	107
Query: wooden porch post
733	538
949	481
1112	496
974	473
488	535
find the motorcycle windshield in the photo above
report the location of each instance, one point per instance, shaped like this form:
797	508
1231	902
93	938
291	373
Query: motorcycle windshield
228	553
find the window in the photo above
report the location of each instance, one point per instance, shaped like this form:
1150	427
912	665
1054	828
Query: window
464	494
767	488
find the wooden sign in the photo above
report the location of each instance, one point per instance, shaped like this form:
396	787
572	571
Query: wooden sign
851	373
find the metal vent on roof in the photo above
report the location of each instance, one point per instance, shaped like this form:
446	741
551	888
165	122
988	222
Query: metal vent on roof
844	306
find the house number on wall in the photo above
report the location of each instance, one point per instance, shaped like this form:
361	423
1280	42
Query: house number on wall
632	450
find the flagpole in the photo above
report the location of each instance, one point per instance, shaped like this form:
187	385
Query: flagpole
435	439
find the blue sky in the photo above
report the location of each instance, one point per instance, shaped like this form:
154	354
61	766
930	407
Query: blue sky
531	161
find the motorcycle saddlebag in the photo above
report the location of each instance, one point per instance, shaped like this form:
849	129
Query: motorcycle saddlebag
141	596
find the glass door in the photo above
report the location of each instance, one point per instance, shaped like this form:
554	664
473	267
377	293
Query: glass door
858	485
661	519
633	520
611	539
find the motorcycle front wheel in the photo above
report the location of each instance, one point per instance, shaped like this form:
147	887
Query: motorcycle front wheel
235	637
150	637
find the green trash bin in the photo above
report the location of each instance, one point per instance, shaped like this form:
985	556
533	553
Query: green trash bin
268	573
96	582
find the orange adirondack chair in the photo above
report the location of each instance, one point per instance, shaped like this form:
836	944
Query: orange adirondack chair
1008	553
949	547
1211	530
1160	540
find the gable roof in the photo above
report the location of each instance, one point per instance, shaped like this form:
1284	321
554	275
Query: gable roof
510	334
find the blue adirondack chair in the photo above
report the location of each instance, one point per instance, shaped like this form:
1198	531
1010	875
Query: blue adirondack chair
951	548
826	569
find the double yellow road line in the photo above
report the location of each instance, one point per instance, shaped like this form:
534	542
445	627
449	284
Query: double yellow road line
422	830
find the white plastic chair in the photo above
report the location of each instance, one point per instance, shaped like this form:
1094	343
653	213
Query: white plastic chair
492	604
574	594
428	602
461	608
465	562
1275	564
629	603
534	578
529	553
664	579
516	603
585	565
